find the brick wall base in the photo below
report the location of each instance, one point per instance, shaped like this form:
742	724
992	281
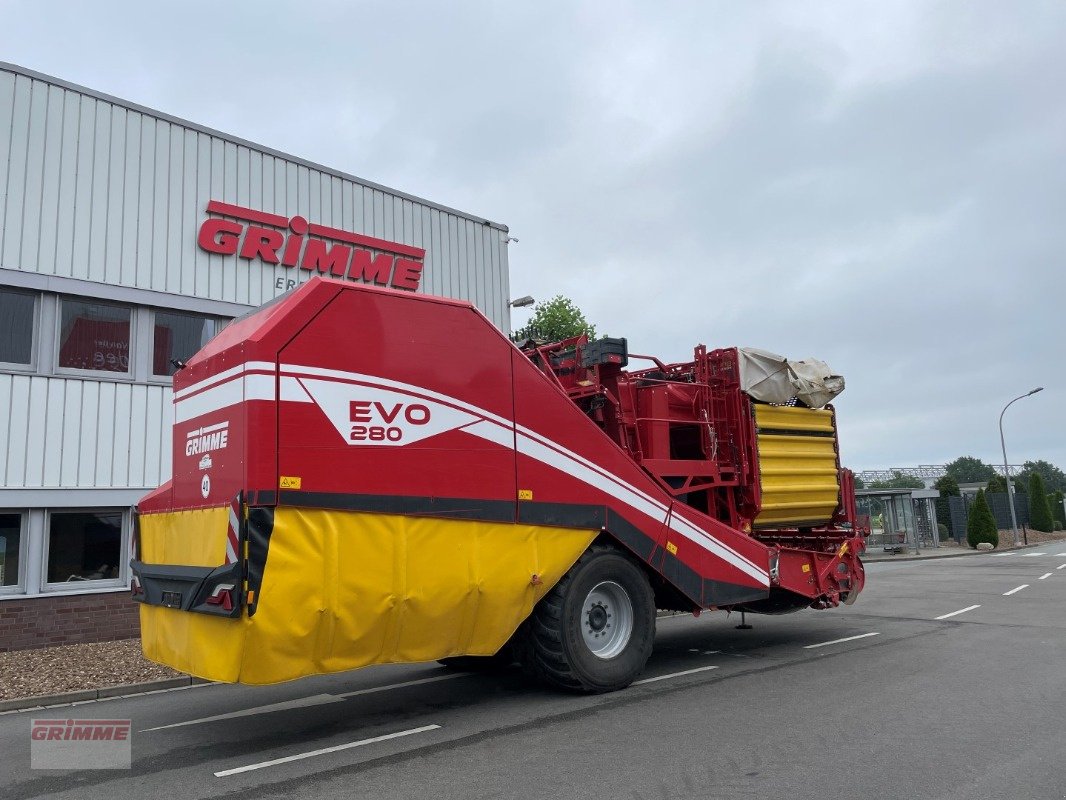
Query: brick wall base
73	619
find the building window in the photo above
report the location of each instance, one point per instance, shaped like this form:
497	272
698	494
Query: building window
10	550
177	337
84	546
16	326
94	336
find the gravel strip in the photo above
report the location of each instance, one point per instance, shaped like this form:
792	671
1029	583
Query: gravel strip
1034	537
72	667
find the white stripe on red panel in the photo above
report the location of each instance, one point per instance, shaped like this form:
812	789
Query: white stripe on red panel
225	375
241	387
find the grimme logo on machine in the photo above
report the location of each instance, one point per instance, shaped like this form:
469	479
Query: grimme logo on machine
373	415
319	249
205	440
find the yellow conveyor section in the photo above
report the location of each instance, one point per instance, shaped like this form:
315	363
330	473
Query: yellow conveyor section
797	466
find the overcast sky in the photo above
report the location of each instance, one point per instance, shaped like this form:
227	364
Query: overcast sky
879	185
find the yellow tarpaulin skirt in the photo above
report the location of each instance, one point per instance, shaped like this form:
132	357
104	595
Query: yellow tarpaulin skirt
345	589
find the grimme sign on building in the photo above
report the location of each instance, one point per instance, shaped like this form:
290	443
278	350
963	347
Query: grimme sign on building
129	238
317	248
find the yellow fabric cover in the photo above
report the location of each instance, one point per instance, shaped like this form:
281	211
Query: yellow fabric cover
344	589
190	538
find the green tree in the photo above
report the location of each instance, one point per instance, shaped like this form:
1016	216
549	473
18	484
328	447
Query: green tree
554	320
1039	510
981	525
899	480
997	485
947	486
967	469
1053	477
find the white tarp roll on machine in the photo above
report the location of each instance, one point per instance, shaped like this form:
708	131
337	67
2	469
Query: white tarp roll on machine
771	378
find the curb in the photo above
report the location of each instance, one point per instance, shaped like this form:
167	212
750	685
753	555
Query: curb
968	552
105	693
892	559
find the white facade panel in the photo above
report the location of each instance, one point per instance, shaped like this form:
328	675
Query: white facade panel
97	189
70	433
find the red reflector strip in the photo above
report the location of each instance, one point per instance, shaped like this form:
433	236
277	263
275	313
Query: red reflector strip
232	530
222	596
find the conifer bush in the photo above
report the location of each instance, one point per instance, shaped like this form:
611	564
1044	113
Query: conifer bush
981	525
1039	509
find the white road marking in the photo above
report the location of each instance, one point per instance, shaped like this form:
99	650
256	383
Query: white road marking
672	675
405	684
1061	566
1033	555
313	700
960	611
1016	589
840	641
1003	555
1045	576
325	750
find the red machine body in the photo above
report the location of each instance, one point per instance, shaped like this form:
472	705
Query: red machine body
345	396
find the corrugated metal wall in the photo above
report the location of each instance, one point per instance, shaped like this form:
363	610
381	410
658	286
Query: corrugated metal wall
74	433
92	189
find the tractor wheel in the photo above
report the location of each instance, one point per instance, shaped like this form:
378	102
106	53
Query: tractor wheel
593	631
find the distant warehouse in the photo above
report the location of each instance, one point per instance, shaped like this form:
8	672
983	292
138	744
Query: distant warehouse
128	238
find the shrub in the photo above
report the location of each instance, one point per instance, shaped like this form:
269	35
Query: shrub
1039	510
947	486
1057	525
943	531
981	525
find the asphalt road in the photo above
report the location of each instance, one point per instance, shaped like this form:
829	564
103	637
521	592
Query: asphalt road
880	699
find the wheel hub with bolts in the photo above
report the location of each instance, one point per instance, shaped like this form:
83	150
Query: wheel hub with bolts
607	619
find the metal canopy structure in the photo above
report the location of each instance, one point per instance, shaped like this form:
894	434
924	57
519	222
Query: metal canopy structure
922	471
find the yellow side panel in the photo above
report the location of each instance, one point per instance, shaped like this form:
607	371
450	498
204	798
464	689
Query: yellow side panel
343	590
798	467
191	538
195	643
199	644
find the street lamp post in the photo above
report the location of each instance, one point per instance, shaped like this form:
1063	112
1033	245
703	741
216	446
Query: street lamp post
522	302
1006	469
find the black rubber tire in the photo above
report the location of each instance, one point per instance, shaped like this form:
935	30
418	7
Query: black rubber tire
551	646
